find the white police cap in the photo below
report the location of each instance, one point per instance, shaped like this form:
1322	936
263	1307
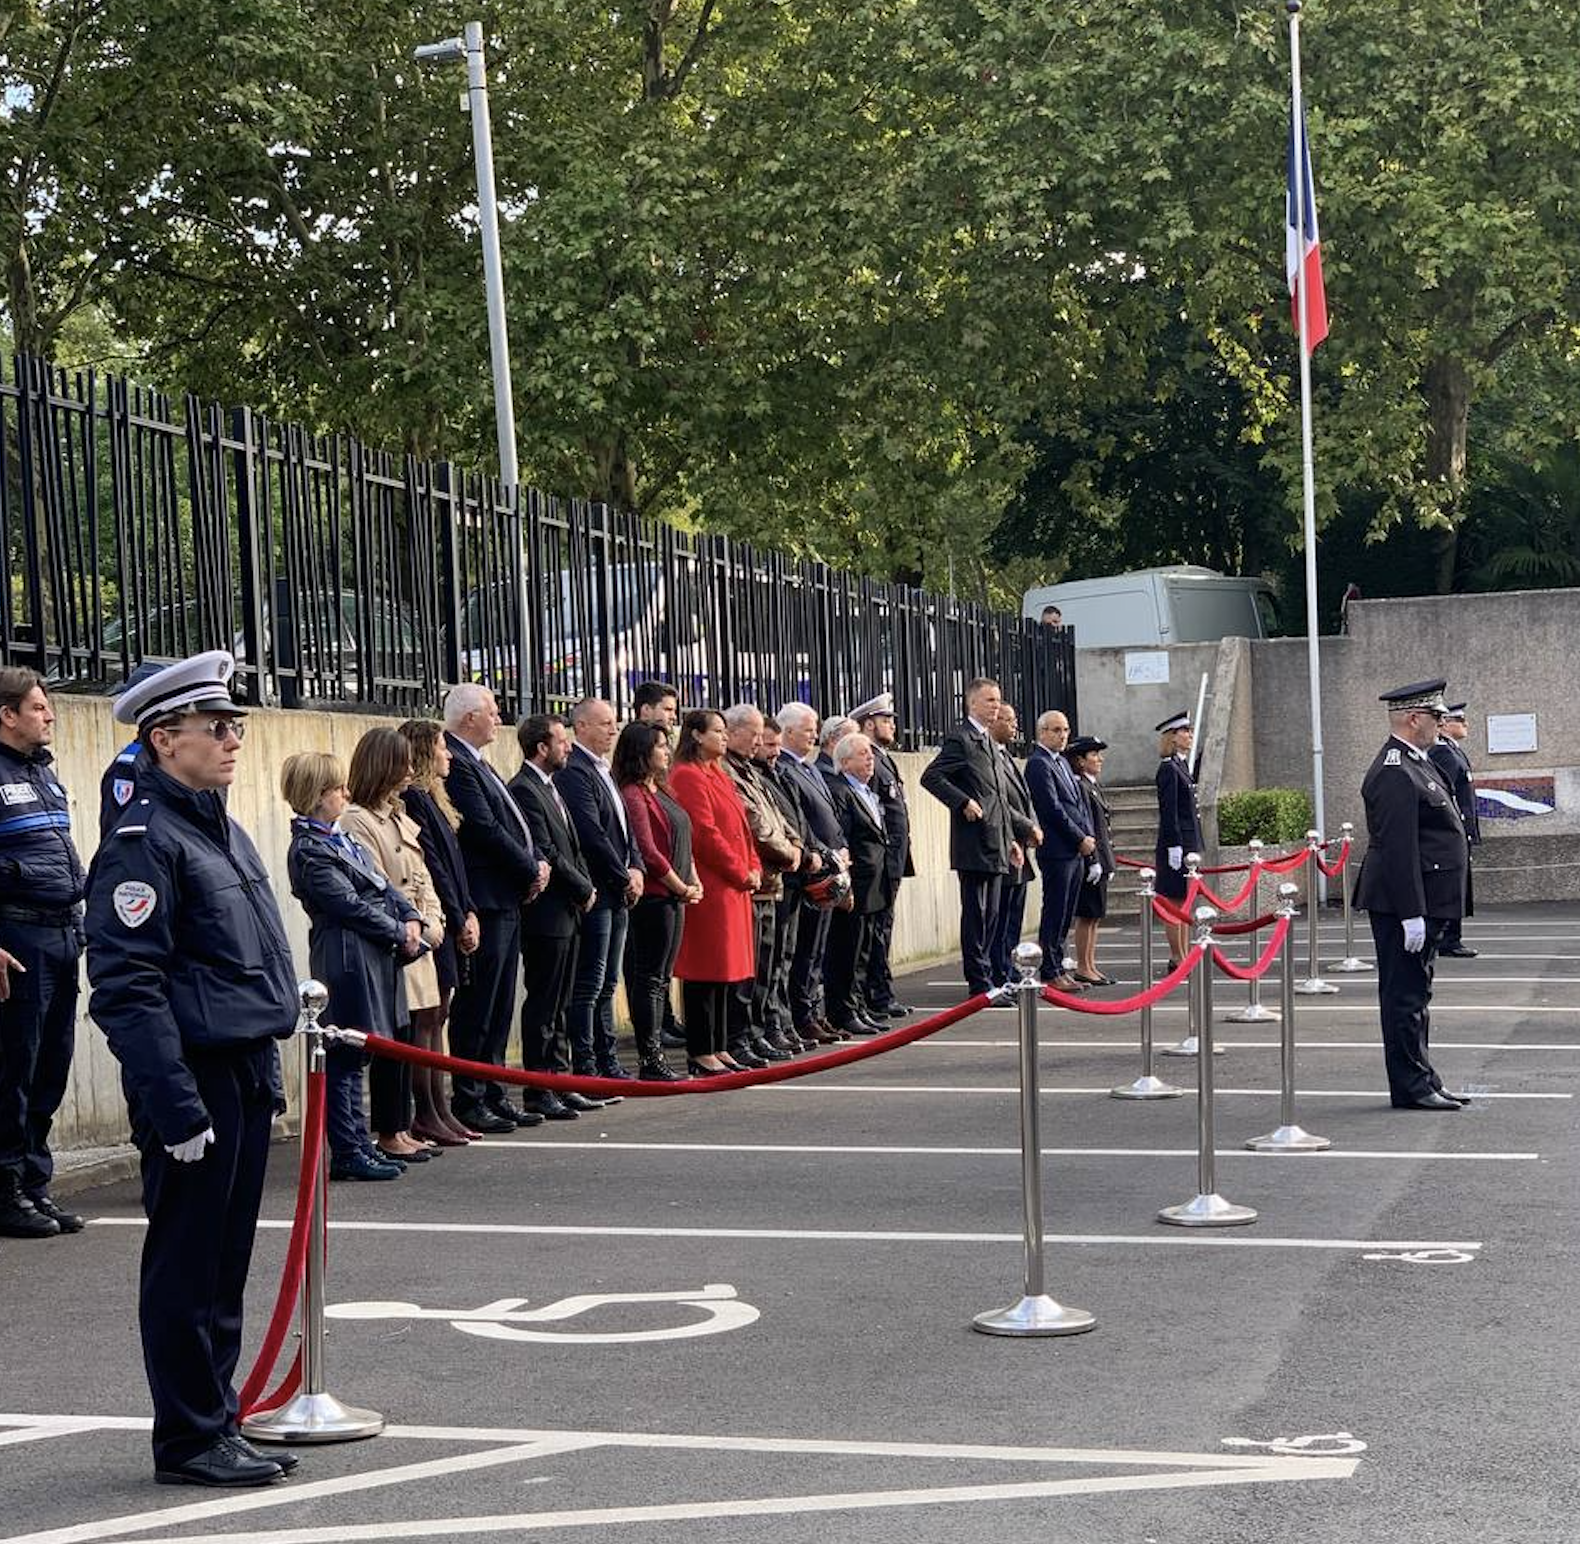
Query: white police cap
196	685
881	706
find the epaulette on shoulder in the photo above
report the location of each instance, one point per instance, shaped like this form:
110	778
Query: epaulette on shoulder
134	827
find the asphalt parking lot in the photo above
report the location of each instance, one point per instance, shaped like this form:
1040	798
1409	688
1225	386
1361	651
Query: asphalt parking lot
1386	1354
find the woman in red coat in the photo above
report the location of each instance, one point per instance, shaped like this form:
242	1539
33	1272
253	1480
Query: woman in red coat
716	949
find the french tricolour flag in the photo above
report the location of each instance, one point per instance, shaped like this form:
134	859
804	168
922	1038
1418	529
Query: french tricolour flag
1304	267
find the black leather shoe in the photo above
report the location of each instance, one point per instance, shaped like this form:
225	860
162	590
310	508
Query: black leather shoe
476	1118
361	1166
747	1058
858	1027
674	1042
1448	1093
505	1110
1432	1101
895	1011
222	1464
19	1218
777	1039
286	1459
765	1050
551	1107
697	1070
660	1072
615	1070
67	1222
1459	952
580	1102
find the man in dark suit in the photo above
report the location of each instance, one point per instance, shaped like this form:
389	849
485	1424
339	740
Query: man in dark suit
798	744
1411	884
614	863
850	931
550	924
504	871
967	776
1012	913
875	719
1068	841
1449	757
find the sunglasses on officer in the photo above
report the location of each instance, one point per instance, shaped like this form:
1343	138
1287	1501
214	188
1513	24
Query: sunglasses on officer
218	729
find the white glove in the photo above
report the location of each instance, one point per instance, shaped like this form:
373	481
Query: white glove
192	1149
1414	934
1094	873
1176	857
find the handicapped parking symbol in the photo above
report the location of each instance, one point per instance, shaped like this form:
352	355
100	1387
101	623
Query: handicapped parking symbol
510	1319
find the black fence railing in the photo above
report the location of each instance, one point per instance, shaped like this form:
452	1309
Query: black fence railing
134	527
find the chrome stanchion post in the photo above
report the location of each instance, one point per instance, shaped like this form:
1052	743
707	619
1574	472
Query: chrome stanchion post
1208	1209
1254	1012
313	1415
1036	1313
1350	963
1190	1045
1146	1086
1288	1138
1313	985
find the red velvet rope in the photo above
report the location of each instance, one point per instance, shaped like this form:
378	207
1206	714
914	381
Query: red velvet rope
1334	869
1263	961
1166	911
295	1261
1256	924
1129	1004
1199	887
1286	864
1282	864
640	1088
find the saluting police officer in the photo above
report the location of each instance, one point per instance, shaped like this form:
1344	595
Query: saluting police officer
41	884
1448	755
192	986
1411	884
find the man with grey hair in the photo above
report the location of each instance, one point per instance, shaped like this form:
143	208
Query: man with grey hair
504	870
850	930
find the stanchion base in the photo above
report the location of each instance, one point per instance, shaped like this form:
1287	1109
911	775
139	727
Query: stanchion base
1208	1212
1148	1087
1315	986
1189	1046
1035	1316
313	1418
1289	1139
1251	1013
1349	965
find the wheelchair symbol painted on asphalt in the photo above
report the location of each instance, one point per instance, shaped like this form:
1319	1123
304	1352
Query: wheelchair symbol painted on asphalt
509	1318
1326	1444
1427	1256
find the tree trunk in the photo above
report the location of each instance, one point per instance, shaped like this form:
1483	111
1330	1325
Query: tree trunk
1446	387
22	298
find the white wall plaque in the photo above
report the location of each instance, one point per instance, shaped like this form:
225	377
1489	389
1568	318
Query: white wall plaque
1149	669
1510	732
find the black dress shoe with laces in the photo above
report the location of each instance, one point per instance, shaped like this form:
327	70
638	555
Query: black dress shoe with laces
505	1110
1459	952
286	1459
222	1465
551	1106
580	1102
67	1222
476	1118
1429	1101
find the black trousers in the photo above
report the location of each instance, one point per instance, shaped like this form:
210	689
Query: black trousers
787	927
1011	924
652	941
745	1022
705	1006
845	967
771	1014
1061	882
879	985
38	1025
806	966
1404	994
196	1253
548	967
981	895
484	1006
1453	929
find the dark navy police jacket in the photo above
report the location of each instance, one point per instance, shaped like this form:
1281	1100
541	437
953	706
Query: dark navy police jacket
187	955
39	866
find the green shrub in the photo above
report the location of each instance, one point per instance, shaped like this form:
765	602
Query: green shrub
1276	815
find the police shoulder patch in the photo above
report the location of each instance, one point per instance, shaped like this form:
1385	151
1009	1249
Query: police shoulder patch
134	901
121	790
1392	759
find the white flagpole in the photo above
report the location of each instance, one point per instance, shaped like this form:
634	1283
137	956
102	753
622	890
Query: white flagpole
1307	468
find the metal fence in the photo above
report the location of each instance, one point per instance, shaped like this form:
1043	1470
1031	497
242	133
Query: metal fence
134	526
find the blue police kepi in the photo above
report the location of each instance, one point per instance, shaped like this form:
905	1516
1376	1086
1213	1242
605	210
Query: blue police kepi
192	985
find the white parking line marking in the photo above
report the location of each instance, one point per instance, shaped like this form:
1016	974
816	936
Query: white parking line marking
939	1043
823	1086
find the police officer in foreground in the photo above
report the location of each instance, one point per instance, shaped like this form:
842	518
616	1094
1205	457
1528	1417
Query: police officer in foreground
1412	885
192	985
41	884
1448	755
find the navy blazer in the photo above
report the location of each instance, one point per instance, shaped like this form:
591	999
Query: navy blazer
890	787
817	804
557	912
609	851
1061	807
968	768
1449	759
501	860
1178	823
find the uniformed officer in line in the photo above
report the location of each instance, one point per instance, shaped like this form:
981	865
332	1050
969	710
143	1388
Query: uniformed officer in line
41	885
1179	821
192	985
1412	885
875	719
119	782
1448	755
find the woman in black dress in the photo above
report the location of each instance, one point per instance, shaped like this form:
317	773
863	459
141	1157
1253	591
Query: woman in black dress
1085	754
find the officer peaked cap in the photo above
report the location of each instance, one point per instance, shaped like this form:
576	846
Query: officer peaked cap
1457	709
881	706
196	685
1422	694
1180	720
1082	744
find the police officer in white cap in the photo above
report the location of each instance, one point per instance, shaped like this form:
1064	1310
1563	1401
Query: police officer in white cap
192	985
1412	885
875	719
